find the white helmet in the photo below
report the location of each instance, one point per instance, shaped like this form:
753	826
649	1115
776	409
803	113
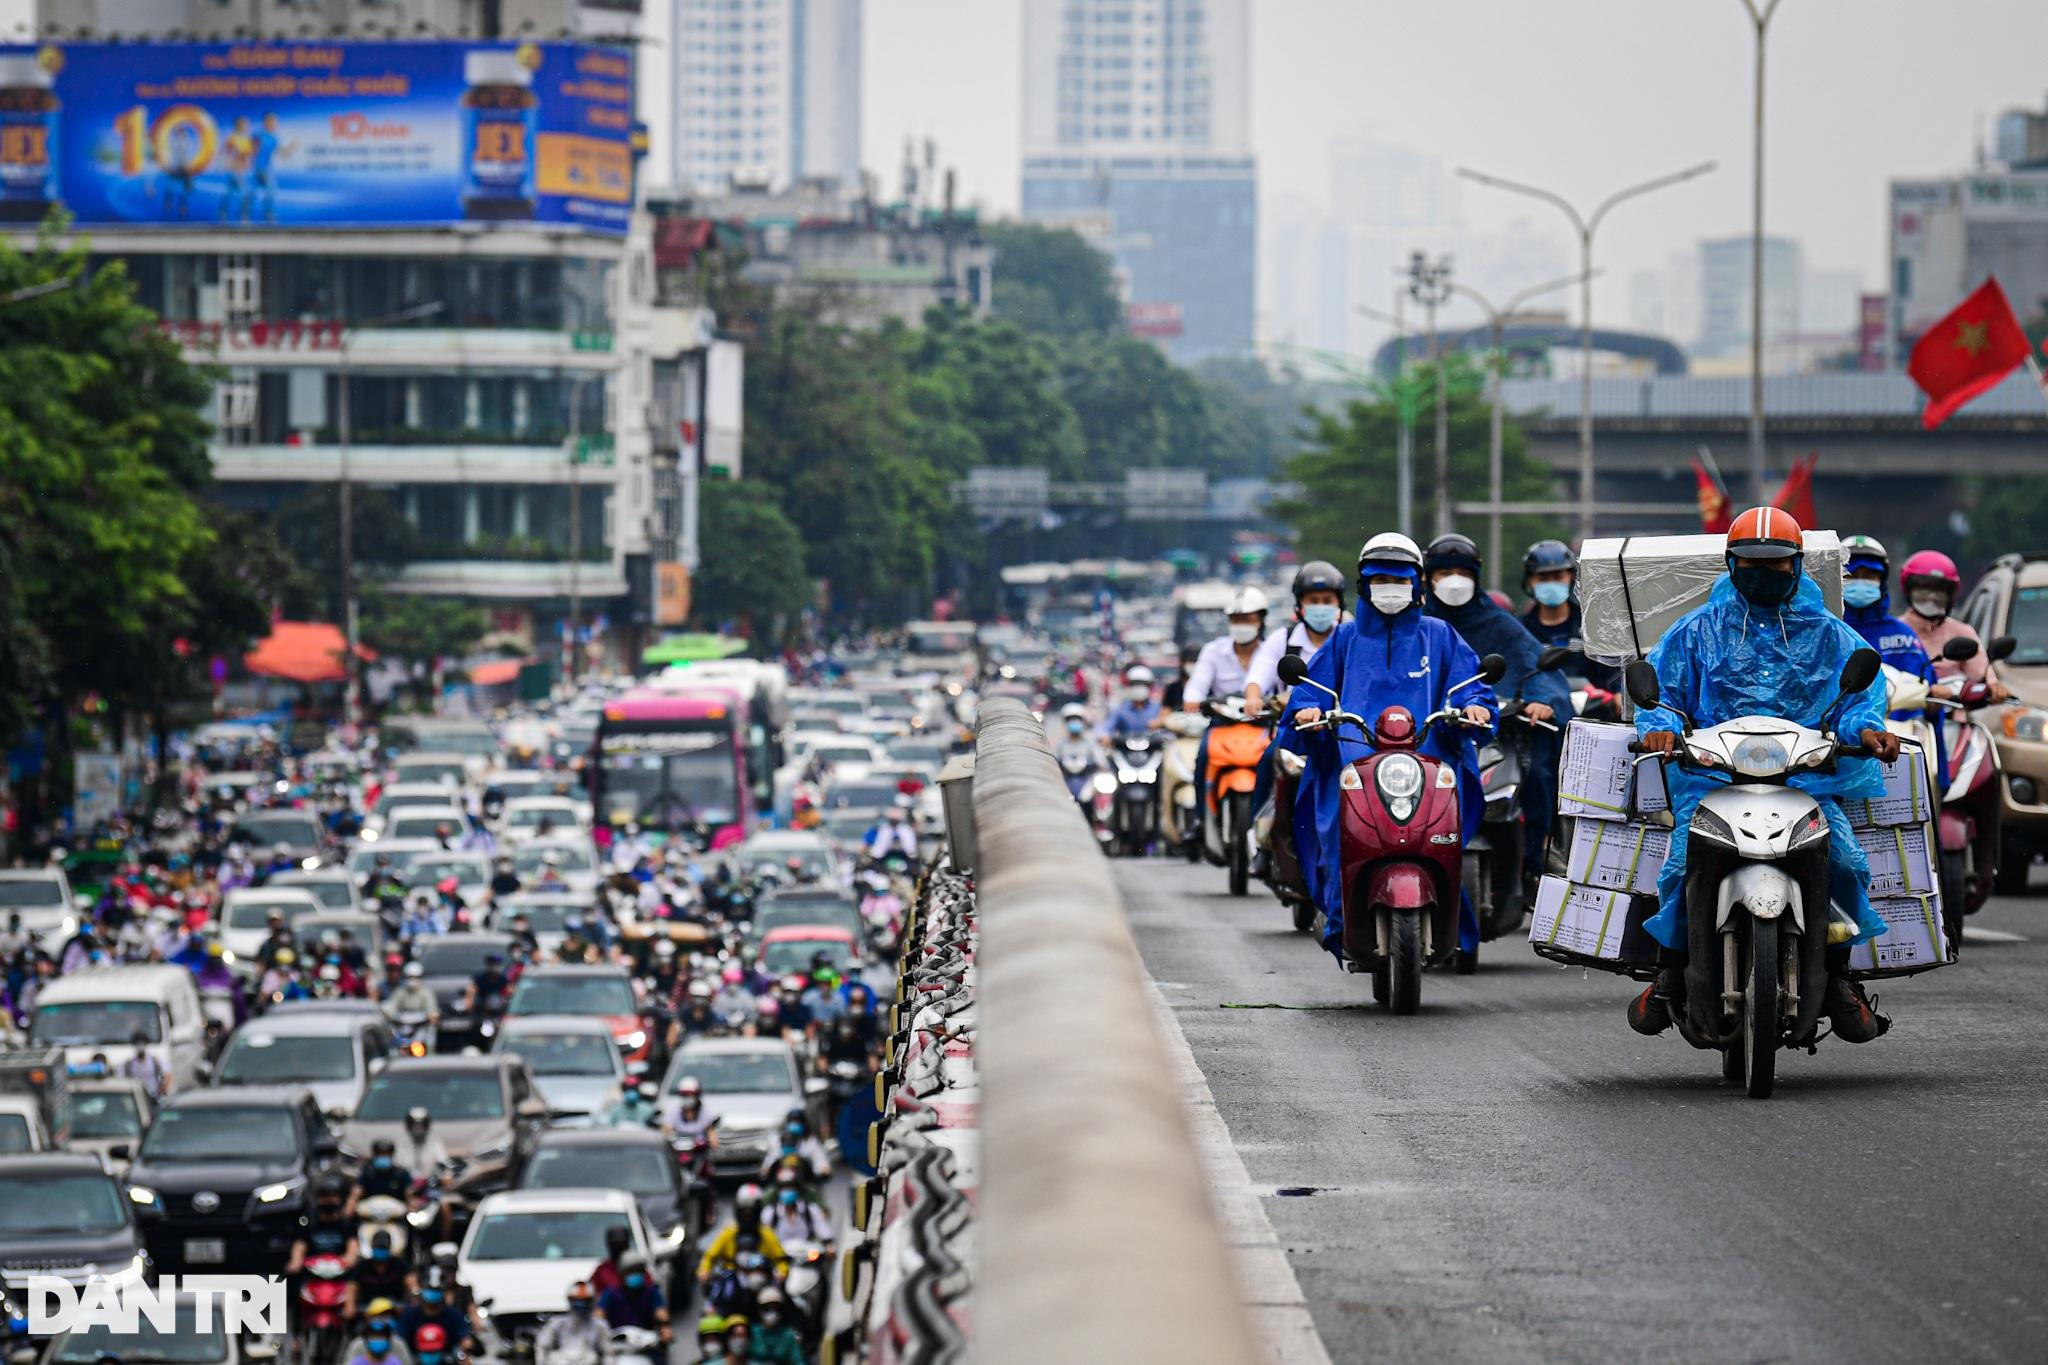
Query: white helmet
1139	675
1390	547
1073	710
1250	602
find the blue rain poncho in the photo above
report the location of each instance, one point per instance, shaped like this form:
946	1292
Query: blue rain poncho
1899	646
1372	663
1728	659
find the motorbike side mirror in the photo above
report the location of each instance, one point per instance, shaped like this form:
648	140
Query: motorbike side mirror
1553	657
1492	669
1960	650
120	1151
1861	670
1293	669
1643	687
2001	648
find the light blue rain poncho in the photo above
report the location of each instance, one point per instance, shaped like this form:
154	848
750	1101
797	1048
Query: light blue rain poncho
1730	658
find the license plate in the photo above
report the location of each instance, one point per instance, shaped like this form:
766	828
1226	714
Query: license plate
206	1250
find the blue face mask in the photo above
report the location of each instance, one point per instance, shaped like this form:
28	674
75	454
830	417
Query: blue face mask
1861	592
1552	594
377	1346
635	1280
1320	618
382	1163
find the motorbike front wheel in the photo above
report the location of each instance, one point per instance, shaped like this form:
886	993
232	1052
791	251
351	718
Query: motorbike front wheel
1760	1009
1304	914
1237	845
1404	968
1954	876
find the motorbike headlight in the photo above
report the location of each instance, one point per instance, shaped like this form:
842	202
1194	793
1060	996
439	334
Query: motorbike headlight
633	1041
422	1219
1399	778
1129	775
278	1193
676	1235
2026	725
1711	826
1811	829
1757	756
143	1195
1105	783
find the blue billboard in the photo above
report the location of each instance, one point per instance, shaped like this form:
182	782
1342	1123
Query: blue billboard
312	134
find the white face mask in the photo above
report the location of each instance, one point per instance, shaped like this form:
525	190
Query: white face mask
1243	633
1931	605
1455	590
1391	599
1138	693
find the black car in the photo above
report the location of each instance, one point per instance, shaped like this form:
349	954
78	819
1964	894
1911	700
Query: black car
222	1180
636	1160
449	961
62	1214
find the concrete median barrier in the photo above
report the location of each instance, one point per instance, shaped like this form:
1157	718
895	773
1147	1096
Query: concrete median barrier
1098	1241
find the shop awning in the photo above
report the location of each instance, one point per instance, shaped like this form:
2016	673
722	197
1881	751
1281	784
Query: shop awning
302	652
497	672
693	649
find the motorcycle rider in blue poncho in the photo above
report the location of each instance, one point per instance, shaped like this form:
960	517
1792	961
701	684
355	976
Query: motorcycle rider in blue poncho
1452	565
1391	654
1867	606
1765	644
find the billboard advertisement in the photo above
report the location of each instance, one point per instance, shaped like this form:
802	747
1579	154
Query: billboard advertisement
312	134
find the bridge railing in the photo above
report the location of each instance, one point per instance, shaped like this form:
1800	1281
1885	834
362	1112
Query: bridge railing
1788	397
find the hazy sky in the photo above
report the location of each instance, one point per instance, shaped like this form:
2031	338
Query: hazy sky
1581	96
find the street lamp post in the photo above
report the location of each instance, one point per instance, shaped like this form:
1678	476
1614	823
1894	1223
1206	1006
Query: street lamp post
1497	320
1404	418
351	634
1761	18
1586	225
1429	284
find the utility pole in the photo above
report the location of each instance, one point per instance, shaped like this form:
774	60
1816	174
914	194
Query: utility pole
570	645
1761	18
1585	225
1498	319
1404	439
1429	284
352	663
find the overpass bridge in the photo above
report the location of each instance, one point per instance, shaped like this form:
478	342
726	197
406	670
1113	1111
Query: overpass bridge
1879	470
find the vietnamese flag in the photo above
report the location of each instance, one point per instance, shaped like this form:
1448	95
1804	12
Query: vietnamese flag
1796	496
1966	353
1715	513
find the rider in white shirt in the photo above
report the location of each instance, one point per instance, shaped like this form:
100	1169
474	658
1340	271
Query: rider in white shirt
1223	669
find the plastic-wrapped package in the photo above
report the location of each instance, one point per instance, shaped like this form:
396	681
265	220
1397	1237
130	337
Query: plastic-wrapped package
1634	587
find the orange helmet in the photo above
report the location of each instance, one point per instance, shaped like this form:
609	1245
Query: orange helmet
1765	533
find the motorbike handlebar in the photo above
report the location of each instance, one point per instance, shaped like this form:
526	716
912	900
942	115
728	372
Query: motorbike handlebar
1857	750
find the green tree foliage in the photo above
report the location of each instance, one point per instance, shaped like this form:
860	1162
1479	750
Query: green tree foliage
1008	391
1048	280
308	527
1347	477
416	631
753	571
111	560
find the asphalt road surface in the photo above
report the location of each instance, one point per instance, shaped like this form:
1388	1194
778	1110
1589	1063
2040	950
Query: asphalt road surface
1513	1175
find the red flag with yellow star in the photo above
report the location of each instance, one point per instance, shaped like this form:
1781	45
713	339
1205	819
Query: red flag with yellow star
1967	352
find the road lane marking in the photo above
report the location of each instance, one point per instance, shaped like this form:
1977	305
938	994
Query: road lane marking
1972	934
1271	1294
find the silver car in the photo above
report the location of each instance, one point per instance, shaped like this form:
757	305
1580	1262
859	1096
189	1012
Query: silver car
574	1062
330	1054
750	1087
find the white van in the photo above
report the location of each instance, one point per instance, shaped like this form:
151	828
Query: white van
102	1009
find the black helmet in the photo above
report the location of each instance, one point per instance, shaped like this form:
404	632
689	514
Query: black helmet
1548	556
1318	575
1451	552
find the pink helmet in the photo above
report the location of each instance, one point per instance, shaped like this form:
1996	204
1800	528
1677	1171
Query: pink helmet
1930	567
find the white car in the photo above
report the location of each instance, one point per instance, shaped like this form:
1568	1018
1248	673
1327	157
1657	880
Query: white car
436	766
403	794
828	748
573	859
245	918
42	897
525	816
525	1248
426	822
335	887
574	1061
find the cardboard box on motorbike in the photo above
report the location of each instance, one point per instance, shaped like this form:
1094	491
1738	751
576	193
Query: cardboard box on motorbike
1593	926
1633	588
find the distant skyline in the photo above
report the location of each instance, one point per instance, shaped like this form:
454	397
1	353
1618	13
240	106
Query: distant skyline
1580	96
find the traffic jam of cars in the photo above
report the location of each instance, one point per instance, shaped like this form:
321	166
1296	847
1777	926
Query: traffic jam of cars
549	1035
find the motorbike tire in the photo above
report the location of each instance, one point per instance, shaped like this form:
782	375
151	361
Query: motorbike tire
1380	982
1304	915
1953	901
1237	847
1404	966
1191	842
1760	1010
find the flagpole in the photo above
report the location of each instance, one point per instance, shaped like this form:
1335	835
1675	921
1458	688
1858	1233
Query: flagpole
2040	379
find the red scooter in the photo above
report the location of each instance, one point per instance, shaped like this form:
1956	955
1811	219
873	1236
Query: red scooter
1403	850
322	1323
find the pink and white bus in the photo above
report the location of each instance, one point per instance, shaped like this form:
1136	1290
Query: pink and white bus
674	762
